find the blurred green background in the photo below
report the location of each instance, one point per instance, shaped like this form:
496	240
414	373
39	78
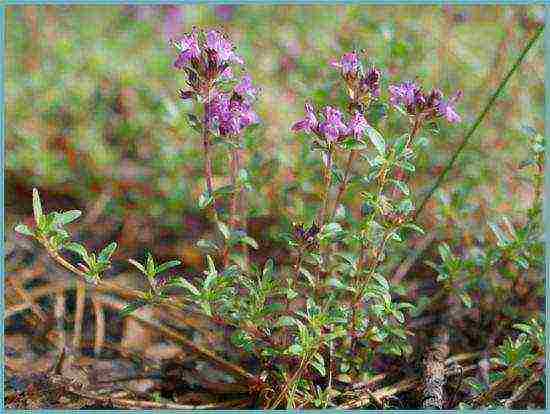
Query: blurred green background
94	121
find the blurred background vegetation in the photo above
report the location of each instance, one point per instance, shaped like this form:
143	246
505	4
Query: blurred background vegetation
94	121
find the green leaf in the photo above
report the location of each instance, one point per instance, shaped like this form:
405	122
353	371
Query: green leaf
224	191
107	252
406	206
67	217
330	230
338	284
208	280
291	294
23	229
352	144
407	166
168	265
319	364
151	271
36	206
268	269
138	265
466	299
399	316
205	306
207	245
403	187
211	265
295	349
414	227
78	249
400	110
523	327
502	240
131	307
399	144
286	321
382	280
243	340
224	230
445	252
205	200
181	282
250	241
377	140
194	122
308	276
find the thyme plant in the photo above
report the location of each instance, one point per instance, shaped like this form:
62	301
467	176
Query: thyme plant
321	321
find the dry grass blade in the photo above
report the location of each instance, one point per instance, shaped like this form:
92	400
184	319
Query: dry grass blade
79	314
28	299
59	313
402	386
177	337
99	336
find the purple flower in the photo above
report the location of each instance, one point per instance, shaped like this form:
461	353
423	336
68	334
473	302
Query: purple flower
217	42
308	123
371	82
230	116
357	124
332	128
245	89
416	102
348	63
406	94
446	108
189	47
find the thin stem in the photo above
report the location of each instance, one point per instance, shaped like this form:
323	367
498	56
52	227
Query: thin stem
400	174
234	167
79	314
206	144
344	183
303	364
327	182
170	303
478	121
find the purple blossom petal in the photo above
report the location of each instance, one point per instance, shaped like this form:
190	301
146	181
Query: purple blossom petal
371	82
348	63
405	94
189	47
245	89
230	116
446	108
216	41
358	124
332	128
308	123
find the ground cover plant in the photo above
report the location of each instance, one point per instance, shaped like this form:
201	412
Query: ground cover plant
331	324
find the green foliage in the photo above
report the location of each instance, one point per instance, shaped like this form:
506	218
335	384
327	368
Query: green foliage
516	360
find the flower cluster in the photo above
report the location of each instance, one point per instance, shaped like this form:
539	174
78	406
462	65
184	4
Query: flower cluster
229	113
306	238
205	57
412	98
329	126
361	85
